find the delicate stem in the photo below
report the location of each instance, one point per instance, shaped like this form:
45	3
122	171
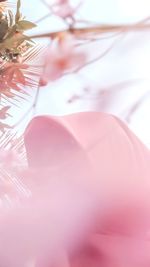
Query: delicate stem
36	99
94	59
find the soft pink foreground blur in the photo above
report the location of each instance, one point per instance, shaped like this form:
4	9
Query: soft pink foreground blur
89	176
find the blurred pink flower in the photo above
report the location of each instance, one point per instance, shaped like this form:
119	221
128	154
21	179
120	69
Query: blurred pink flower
64	9
90	202
60	58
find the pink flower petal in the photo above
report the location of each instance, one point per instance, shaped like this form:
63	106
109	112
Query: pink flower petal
90	196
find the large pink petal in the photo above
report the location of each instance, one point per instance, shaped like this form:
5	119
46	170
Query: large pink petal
90	195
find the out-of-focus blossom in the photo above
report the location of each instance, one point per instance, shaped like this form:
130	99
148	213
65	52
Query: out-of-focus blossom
60	58
10	165
90	202
64	9
9	159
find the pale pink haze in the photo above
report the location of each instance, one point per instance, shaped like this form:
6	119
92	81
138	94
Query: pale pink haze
89	178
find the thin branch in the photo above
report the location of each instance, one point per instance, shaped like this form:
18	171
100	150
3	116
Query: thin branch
101	29
43	18
136	106
92	61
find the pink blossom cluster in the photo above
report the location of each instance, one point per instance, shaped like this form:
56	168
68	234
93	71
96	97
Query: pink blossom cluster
63	8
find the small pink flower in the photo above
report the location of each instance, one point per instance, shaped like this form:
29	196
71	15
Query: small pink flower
60	58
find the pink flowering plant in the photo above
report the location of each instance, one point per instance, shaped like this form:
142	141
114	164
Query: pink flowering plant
74	189
68	52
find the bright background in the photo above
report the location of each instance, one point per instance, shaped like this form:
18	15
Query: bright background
126	67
